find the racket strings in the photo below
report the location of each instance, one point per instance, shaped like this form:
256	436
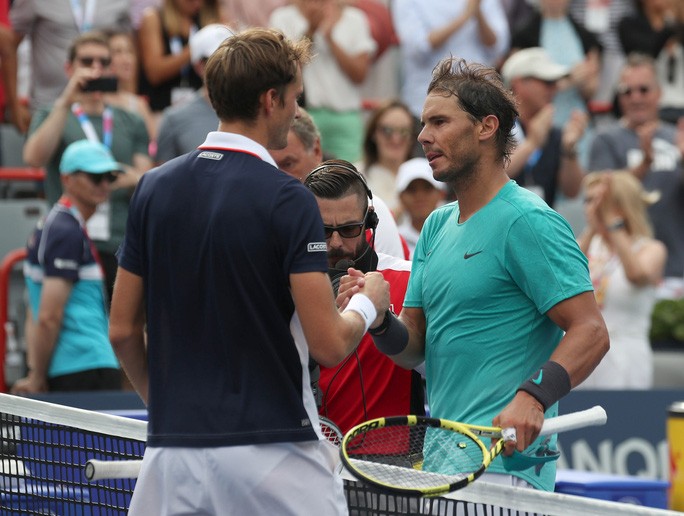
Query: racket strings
414	456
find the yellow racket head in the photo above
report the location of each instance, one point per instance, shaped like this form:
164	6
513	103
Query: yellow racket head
414	455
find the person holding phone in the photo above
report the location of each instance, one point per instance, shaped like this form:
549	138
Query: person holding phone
81	112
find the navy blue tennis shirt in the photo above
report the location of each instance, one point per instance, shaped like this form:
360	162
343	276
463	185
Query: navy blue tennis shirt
215	234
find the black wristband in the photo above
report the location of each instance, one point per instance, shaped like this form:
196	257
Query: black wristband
548	385
394	339
383	325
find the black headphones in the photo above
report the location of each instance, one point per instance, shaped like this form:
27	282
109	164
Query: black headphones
371	219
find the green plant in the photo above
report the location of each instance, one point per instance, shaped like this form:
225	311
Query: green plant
667	320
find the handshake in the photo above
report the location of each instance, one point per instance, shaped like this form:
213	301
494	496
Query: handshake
373	286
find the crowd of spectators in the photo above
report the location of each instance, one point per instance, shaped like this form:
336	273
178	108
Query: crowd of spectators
600	87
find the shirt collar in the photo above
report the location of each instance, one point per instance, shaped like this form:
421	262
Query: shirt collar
236	142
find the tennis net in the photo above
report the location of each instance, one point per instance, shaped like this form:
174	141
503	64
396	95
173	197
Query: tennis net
44	449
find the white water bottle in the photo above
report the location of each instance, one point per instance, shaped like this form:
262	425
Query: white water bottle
14	358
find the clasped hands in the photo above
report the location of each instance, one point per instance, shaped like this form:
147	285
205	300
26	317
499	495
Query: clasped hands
371	284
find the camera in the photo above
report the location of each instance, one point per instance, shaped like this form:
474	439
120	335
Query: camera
103	84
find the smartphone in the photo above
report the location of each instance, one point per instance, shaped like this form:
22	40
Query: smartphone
105	84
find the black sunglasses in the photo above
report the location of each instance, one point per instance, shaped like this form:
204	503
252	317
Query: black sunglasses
89	60
345	231
96	179
628	90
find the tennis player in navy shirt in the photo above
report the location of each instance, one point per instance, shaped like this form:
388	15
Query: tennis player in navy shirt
224	268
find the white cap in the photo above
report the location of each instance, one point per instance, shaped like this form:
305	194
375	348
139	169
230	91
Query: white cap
532	62
205	41
416	168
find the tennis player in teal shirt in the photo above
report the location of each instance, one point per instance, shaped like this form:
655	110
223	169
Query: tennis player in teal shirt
500	304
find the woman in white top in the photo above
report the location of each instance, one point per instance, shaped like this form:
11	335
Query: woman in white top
626	264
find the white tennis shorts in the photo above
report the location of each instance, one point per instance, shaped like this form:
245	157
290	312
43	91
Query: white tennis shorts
295	479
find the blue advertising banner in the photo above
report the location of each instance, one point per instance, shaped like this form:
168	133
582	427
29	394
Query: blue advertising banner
633	442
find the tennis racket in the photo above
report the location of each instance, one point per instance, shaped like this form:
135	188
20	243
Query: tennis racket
414	455
104	469
331	431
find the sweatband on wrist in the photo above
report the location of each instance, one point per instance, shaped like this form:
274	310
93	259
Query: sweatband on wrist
362	305
394	339
548	385
383	325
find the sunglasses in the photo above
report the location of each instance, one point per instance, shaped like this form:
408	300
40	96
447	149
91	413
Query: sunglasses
89	60
96	179
627	91
345	231
388	131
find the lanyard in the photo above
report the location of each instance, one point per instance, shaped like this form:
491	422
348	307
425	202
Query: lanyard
87	125
83	17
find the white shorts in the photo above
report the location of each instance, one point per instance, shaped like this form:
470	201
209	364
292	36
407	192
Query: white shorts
295	479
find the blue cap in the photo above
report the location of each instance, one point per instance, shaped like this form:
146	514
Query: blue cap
87	156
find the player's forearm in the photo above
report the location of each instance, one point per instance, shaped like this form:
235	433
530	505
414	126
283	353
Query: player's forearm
581	349
132	354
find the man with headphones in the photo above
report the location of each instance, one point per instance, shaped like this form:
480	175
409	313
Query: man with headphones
367	384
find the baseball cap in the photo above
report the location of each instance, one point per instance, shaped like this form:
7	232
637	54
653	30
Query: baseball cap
90	157
205	41
532	62
416	168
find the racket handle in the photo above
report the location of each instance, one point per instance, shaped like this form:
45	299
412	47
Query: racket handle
101	469
594	416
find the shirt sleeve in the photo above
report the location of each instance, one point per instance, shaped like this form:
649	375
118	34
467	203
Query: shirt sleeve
543	258
62	251
298	230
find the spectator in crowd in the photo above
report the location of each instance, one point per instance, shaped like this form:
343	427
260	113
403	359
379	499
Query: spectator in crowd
476	30
124	67
68	347
652	150
12	107
602	19
420	194
571	45
626	264
367	384
545	159
234	313
499	290
657	29
247	13
79	113
389	141
183	128
167	73
52	27
304	153
344	50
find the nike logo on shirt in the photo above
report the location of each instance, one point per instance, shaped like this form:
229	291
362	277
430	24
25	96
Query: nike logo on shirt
470	255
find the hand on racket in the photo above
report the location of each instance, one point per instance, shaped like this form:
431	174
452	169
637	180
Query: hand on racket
430	457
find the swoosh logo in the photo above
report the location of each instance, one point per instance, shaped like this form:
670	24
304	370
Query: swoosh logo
538	379
470	255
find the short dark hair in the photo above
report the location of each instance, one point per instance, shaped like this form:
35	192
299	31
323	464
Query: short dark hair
337	178
248	64
480	92
96	37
